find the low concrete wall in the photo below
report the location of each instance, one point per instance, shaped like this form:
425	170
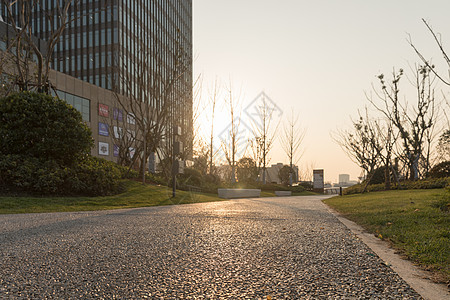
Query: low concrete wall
283	193
238	193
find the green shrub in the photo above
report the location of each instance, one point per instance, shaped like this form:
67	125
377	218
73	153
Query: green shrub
307	185
284	174
89	176
246	170
44	150
440	170
271	187
43	127
156	179
127	173
297	189
432	183
191	177
93	176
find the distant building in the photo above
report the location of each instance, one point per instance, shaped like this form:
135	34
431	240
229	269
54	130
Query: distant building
344	179
273	171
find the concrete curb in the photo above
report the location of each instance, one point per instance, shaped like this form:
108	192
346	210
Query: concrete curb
416	278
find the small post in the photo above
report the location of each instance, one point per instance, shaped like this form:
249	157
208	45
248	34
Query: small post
340	190
144	159
175	131
174	175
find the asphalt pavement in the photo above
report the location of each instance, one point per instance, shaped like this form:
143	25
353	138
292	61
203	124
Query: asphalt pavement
264	248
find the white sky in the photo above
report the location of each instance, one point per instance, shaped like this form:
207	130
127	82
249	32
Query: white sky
318	57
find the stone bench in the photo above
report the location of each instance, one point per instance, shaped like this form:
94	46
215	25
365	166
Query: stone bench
283	193
238	193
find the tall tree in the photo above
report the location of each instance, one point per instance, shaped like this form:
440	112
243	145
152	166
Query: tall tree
247	171
264	131
412	121
213	99
148	99
27	48
232	144
362	144
291	139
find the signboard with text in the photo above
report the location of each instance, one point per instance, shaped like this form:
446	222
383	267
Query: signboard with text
103	129
318	181
118	114
103	110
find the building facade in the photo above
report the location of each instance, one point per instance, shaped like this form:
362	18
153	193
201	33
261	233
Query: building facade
138	49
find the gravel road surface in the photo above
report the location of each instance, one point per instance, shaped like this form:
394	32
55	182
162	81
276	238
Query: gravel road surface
285	248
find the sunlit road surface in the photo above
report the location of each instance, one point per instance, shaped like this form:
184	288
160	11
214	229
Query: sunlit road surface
285	248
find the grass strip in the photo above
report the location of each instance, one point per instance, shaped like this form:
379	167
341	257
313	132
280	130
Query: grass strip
136	195
416	222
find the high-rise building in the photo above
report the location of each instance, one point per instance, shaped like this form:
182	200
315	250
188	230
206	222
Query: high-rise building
344	179
122	46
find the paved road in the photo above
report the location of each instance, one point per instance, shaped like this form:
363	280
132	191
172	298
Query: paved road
286	248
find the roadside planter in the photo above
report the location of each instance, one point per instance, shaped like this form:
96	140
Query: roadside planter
283	193
238	193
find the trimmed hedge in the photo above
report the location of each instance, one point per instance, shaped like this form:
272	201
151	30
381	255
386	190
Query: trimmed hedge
89	176
431	183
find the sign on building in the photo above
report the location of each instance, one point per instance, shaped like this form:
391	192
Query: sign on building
103	148
103	129
103	110
118	114
116	150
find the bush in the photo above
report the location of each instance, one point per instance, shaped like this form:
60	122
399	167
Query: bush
284	174
89	176
44	150
156	179
43	127
433	183
127	173
191	177
297	189
440	170
93	176
307	185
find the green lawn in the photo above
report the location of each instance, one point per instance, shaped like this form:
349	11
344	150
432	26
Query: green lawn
137	195
417	222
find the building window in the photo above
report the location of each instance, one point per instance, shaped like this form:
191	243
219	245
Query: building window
81	104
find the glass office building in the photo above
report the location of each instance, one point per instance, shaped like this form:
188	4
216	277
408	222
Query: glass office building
119	44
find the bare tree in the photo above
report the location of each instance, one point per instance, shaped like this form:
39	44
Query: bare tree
306	172
122	132
148	98
264	133
431	67
232	145
26	46
291	139
213	98
362	144
414	122
387	139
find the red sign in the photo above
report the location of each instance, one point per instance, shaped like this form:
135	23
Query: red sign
103	110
